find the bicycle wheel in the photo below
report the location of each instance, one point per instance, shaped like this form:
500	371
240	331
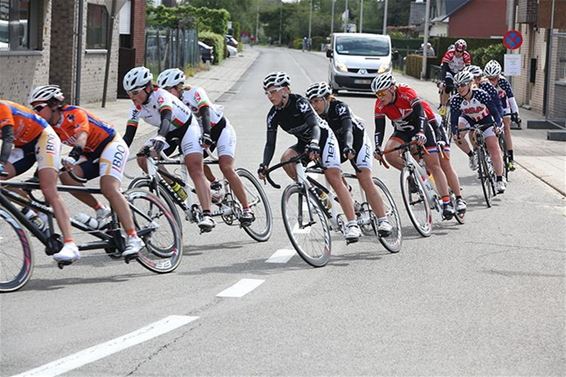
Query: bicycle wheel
416	202
260	229
484	176
163	194
394	240
156	225
506	160
16	263
306	225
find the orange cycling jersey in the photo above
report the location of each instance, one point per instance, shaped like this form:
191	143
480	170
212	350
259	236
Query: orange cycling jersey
27	125
75	120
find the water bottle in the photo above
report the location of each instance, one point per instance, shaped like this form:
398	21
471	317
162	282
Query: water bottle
87	220
325	199
34	218
179	190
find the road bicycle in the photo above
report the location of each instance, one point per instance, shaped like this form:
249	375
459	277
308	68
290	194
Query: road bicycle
227	208
419	194
154	223
310	211
486	172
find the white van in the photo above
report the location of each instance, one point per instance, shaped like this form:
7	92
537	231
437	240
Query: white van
356	58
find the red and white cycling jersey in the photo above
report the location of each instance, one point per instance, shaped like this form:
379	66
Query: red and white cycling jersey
455	63
196	97
401	111
160	100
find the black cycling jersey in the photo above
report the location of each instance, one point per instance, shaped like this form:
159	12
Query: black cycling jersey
298	119
348	130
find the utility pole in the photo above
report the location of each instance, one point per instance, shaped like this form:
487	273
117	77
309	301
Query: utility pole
332	24
280	20
347	18
425	46
257	23
361	15
385	17
310	22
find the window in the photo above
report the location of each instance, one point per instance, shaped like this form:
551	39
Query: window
96	27
20	24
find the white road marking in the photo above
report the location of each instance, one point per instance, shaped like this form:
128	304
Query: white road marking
241	288
281	256
100	351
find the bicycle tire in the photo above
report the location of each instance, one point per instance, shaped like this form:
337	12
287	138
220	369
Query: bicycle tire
255	230
293	202
22	260
392	242
506	160
162	192
148	209
422	220
483	173
460	216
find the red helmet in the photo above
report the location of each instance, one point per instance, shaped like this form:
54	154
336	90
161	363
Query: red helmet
460	45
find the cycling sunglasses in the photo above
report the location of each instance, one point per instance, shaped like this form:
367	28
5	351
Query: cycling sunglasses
134	92
381	93
38	108
271	92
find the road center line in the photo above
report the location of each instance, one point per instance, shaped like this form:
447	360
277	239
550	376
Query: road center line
281	256
241	288
100	351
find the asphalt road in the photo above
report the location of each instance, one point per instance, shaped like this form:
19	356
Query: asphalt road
484	298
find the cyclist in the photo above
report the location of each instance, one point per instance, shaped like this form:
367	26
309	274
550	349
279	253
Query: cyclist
492	71
97	151
27	138
482	83
174	121
217	132
453	61
294	114
353	142
405	109
473	106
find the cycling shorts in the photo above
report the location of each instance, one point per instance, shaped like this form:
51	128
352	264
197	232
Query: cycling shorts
448	85
225	141
406	136
186	138
330	157
488	132
45	149
111	161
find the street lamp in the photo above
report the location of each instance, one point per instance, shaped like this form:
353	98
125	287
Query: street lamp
280	20
310	23
361	15
332	24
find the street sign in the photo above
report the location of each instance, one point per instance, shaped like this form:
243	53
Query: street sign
512	64
512	39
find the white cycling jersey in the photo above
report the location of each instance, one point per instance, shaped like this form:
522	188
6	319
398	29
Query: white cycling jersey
196	97
159	100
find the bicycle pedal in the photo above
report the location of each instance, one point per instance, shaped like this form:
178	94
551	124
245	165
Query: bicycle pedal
351	240
205	229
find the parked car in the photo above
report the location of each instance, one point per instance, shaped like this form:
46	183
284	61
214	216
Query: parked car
231	41
232	51
206	52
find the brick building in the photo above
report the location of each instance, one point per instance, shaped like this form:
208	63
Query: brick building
65	42
533	21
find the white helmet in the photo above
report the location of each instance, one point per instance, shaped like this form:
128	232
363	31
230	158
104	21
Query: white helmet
171	77
463	77
136	78
475	70
278	79
318	89
492	68
460	45
382	81
46	92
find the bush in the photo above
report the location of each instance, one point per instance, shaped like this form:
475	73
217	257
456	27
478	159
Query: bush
216	41
298	43
482	55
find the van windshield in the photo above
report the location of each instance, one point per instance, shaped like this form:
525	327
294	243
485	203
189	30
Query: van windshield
354	45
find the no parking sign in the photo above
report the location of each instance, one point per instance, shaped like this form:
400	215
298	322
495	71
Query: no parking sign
513	39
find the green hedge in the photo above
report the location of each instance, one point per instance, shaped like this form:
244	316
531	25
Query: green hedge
216	41
215	20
